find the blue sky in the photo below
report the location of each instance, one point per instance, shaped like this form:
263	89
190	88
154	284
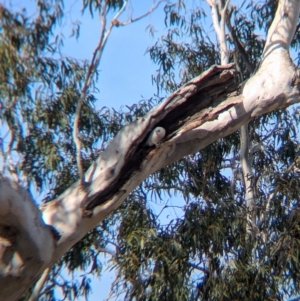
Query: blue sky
125	69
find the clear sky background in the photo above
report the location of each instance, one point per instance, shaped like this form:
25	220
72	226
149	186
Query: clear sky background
125	69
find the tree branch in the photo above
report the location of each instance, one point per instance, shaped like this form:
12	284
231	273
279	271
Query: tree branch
195	266
141	16
25	240
194	116
88	80
241	50
39	285
219	16
282	29
105	33
105	250
248	177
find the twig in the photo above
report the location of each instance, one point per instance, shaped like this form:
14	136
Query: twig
39	285
104	250
91	71
195	266
105	32
239	47
141	16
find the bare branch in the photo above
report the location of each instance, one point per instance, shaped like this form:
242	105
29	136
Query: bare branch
20	217
222	37
197	267
39	285
248	177
141	16
104	250
8	158
214	15
241	50
219	15
105	33
88	80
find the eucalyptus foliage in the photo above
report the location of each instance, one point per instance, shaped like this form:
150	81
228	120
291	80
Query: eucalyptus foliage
203	252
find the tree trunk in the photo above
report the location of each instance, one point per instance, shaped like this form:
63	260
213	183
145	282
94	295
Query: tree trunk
208	107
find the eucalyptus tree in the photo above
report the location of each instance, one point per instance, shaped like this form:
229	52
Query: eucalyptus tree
229	148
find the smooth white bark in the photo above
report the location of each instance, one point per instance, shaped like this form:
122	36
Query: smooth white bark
275	75
219	15
26	243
